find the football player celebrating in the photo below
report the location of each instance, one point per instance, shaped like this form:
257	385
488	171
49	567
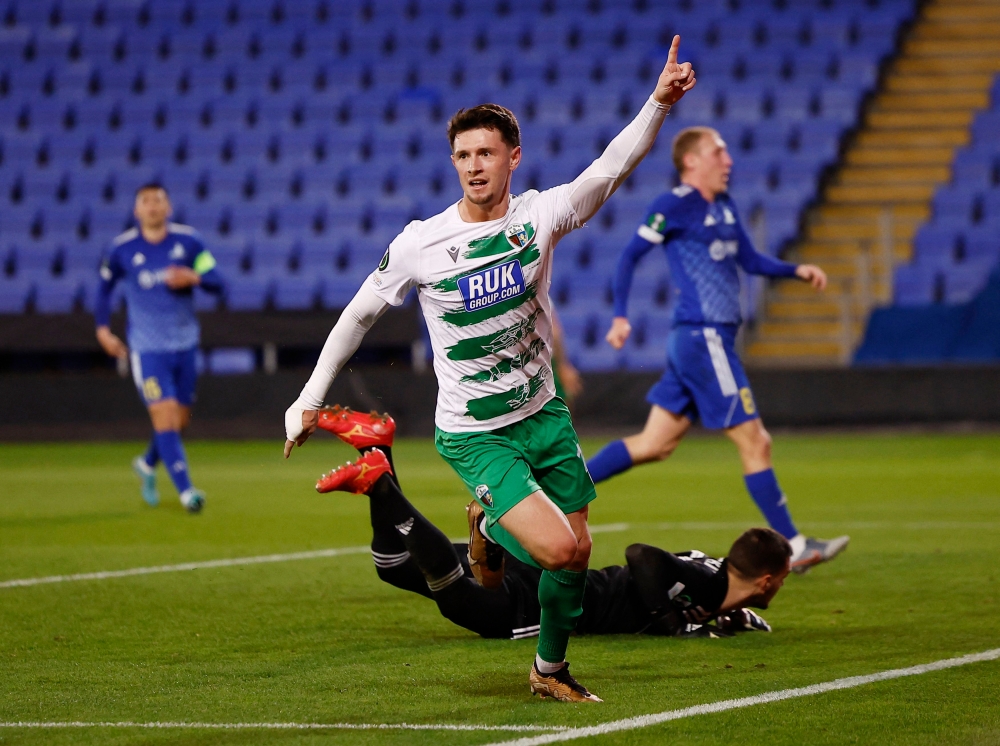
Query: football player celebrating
699	228
160	263
490	592
482	269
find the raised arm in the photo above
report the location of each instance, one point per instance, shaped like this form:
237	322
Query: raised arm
359	316
601	178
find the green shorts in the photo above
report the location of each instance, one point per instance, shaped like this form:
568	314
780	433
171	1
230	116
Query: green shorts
502	467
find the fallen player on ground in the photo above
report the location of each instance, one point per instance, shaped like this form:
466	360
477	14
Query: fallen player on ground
655	592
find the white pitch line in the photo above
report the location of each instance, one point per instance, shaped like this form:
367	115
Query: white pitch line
600	528
644	721
233	562
288	726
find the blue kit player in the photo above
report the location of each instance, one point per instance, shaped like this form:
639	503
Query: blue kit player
699	228
159	263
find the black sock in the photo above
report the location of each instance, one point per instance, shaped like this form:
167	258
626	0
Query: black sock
430	549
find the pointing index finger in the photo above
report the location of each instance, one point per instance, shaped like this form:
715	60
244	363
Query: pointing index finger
672	55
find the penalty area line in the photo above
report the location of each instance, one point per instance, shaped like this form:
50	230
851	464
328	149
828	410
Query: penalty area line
644	721
286	726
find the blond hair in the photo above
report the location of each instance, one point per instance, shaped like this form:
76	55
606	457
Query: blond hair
687	141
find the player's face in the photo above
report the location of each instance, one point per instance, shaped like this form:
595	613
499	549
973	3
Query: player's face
713	163
152	208
484	163
769	589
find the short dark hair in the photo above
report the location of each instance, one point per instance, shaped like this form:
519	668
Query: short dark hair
151	185
486	116
686	141
758	552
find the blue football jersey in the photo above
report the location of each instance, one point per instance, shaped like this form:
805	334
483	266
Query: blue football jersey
159	319
705	243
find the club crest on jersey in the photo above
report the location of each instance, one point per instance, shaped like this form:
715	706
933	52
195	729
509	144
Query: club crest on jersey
492	285
138	259
517	236
484	496
177	252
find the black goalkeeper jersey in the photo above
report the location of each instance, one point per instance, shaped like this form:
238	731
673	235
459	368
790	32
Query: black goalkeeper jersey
656	592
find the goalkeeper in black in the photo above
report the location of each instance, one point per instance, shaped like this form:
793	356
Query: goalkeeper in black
488	591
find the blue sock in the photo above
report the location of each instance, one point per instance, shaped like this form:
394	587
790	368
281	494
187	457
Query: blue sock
152	453
172	452
610	460
763	488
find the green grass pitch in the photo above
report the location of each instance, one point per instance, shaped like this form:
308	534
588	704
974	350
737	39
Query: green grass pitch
323	641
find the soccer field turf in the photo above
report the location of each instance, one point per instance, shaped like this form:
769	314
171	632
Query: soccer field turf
322	640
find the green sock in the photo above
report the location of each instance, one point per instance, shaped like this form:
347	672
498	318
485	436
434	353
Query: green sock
560	594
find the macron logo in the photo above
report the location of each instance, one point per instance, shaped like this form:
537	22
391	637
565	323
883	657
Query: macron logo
488	287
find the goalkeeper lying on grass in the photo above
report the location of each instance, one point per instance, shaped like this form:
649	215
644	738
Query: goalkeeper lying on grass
491	593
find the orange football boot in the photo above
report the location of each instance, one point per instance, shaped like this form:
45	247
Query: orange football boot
357	477
357	429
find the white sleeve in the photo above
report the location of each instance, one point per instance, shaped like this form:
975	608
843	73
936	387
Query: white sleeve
363	311
591	189
399	270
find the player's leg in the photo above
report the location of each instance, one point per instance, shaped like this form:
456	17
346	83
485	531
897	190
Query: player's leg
169	397
499	469
754	445
428	563
669	420
144	466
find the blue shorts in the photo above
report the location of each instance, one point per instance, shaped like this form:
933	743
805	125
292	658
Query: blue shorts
704	378
165	375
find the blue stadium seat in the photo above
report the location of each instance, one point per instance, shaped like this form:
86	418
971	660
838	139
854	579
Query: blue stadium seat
58	295
963	283
991	207
296	293
228	361
247	293
915	285
14	294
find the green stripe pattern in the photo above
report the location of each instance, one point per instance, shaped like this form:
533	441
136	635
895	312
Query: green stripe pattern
490	344
504	367
494	245
505	402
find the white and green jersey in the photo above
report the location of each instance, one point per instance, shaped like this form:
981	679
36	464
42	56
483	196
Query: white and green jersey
484	292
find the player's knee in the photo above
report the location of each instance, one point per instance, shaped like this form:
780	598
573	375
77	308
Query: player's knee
582	557
559	554
762	445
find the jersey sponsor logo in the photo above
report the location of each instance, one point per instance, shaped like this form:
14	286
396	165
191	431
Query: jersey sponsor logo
177	252
138	259
517	236
719	249
490	286
148	279
384	264
453	253
484	495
